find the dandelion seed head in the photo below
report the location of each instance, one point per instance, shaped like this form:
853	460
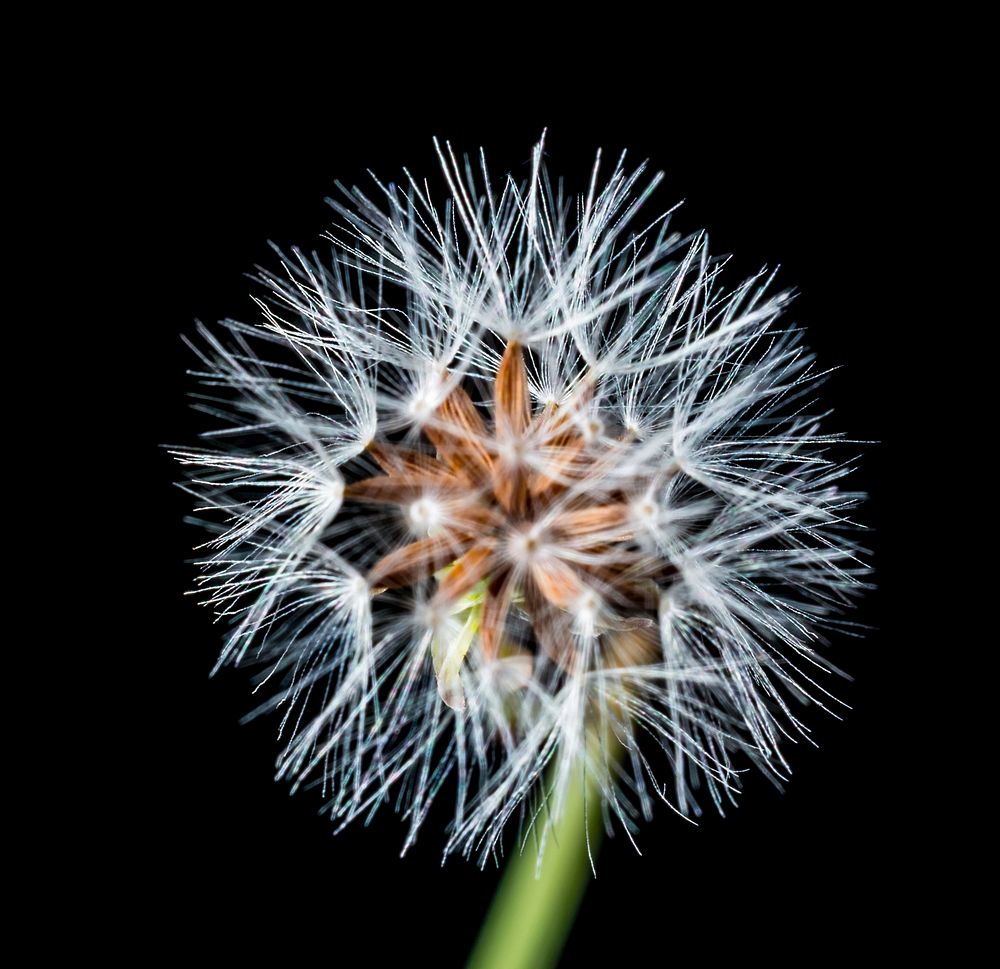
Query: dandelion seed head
518	483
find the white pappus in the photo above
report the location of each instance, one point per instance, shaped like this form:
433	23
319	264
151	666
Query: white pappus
518	485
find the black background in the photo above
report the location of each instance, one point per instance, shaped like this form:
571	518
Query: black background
795	171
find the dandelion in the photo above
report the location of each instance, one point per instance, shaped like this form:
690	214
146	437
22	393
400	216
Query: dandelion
519	491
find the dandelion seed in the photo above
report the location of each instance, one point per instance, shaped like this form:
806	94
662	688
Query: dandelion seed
521	486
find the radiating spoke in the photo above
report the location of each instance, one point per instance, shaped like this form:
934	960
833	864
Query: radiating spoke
396	460
414	562
459	434
558	582
402	490
471	568
496	605
584	527
513	403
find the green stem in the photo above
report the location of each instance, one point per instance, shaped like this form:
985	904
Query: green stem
530	918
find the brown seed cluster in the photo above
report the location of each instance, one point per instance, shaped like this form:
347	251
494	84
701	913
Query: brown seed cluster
493	514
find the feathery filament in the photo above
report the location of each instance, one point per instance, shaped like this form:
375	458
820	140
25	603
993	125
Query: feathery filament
515	485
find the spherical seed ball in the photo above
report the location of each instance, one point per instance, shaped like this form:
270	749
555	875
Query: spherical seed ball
515	485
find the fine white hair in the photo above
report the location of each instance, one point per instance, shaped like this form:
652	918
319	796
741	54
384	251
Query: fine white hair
686	396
